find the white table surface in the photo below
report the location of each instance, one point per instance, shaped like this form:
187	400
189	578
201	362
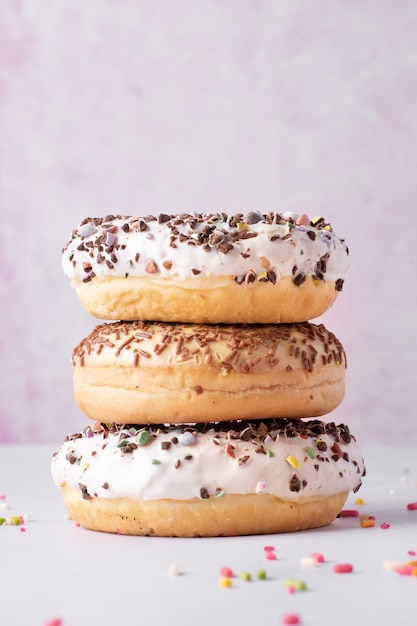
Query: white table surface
56	569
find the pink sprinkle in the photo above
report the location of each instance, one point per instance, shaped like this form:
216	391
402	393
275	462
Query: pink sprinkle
269	548
290	589
226	572
343	568
372	517
2	497
349	513
77	524
405	570
384	525
411	552
291	618
412	506
318	557
56	621
22	529
270	556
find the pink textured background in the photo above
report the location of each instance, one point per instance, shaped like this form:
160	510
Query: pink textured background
140	106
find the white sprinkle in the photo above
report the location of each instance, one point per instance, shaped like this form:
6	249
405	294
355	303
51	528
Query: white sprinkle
261	486
174	569
4	505
308	561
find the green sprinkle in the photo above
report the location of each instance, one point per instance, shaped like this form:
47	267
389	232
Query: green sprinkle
244	576
310	452
261	574
301	251
16	520
270	454
298	585
220	494
143	437
122	443
2	521
156	462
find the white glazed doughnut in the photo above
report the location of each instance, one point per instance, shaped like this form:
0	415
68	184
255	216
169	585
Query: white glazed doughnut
152	372
206	268
233	478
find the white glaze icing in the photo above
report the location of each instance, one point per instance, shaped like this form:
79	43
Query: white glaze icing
149	471
278	247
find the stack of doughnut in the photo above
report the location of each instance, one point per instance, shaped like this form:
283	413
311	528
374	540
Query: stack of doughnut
205	380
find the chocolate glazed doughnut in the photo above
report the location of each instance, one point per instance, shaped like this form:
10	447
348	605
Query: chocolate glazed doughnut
235	478
151	372
206	268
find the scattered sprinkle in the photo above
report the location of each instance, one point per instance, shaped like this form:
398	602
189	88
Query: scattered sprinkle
56	621
225	582
308	561
261	574
384	526
290	618
359	501
367	523
226	572
343	568
319	557
297	585
174	569
245	576
349	513
391	566
412	506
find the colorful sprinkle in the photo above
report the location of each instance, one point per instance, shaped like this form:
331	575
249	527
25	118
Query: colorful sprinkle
56	621
245	576
343	568
297	585
261	486
367	523
349	513
310	452
412	506
226	572
291	618
225	582
291	459
359	501
319	557
384	526
308	561
261	574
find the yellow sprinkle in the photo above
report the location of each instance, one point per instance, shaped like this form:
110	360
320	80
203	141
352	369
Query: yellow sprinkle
85	466
359	501
262	275
242	226
225	582
316	219
326	228
292	461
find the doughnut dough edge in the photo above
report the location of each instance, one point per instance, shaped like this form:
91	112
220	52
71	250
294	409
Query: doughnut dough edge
234	515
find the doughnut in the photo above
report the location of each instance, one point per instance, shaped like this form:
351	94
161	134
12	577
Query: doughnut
150	372
234	478
206	268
